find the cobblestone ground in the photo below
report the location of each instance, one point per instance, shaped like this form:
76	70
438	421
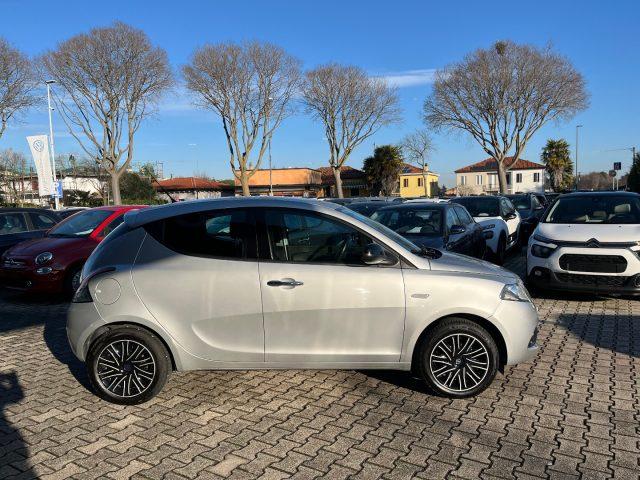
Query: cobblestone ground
572	412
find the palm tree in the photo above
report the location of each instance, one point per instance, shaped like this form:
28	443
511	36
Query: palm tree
557	158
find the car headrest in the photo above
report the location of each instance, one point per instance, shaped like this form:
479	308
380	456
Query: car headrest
622	208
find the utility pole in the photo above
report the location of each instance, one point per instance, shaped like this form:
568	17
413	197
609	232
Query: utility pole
53	151
577	172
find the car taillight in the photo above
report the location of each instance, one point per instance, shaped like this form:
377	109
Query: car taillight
82	294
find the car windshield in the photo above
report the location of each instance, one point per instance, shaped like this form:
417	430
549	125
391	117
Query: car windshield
480	206
365	208
399	239
612	209
521	202
418	221
80	225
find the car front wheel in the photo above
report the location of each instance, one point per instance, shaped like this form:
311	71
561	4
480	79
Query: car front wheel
128	365
459	358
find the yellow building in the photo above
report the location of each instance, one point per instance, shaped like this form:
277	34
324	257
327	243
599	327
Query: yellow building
412	182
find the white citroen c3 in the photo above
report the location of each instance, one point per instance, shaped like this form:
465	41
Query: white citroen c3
588	241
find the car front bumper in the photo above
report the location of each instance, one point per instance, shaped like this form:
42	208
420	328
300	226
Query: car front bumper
518	323
28	280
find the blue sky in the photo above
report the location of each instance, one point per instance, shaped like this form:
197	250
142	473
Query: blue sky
404	41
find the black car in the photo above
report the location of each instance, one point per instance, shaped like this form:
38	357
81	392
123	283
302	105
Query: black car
443	226
67	212
20	224
367	208
531	207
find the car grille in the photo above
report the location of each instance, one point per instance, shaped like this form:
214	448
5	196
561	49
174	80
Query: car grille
593	263
592	280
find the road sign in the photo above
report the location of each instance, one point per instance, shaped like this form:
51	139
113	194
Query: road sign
617	165
57	189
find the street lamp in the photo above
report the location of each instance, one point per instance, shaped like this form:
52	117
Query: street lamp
577	172
53	152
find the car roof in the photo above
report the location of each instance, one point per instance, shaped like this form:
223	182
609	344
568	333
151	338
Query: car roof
493	197
137	218
25	209
605	193
417	206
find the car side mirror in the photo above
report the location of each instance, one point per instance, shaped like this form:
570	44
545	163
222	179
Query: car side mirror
510	216
457	229
374	254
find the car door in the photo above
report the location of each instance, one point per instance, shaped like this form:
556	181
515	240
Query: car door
14	228
197	274
455	242
322	305
476	241
511	218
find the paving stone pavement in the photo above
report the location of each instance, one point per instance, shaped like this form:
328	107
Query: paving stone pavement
573	412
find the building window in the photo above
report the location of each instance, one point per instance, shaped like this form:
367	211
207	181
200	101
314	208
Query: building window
536	177
493	179
518	178
508	179
463	180
405	182
354	192
478	179
420	182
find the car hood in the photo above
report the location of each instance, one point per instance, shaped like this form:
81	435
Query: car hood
486	220
452	262
45	244
427	241
603	232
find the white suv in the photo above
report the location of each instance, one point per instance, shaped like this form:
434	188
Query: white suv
588	242
499	219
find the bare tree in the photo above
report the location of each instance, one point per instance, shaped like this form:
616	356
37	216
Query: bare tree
417	147
17	83
112	79
503	95
351	105
250	87
13	166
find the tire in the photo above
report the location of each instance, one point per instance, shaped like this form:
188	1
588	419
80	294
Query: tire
468	377
501	250
136	380
72	280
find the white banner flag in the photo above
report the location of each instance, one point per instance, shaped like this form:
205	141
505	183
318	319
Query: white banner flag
39	145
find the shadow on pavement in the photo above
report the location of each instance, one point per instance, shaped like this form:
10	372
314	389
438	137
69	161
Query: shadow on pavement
14	452
618	333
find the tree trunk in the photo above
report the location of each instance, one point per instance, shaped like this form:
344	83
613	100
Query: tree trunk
115	188
336	174
502	177
244	181
424	183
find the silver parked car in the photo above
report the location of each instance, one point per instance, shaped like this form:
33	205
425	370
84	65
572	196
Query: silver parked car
288	283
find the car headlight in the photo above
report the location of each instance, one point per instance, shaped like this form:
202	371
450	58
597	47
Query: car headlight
491	226
541	251
542	239
515	292
43	258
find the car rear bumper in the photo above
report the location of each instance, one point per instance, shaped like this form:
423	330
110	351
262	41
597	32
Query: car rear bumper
83	320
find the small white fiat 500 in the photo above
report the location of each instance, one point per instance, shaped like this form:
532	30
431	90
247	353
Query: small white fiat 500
288	283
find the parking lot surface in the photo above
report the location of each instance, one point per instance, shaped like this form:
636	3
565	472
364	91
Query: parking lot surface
572	412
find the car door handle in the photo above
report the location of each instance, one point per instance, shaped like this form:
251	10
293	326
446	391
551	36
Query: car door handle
288	282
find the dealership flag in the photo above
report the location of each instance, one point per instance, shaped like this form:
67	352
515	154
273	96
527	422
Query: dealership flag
39	145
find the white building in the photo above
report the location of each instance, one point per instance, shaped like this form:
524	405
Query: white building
482	177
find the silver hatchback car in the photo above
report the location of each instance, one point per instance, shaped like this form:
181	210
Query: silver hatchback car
249	283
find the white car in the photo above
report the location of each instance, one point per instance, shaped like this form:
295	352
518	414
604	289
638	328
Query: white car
499	219
264	282
588	242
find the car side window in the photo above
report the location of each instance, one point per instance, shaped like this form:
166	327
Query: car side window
41	221
112	226
307	237
12	223
452	218
227	234
463	215
534	203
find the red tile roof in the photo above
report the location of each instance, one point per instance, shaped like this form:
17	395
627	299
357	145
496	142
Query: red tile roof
490	165
191	183
346	173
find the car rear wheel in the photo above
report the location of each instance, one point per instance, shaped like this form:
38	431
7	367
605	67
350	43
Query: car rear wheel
128	365
459	358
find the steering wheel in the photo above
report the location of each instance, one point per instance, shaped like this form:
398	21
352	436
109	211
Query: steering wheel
430	228
342	245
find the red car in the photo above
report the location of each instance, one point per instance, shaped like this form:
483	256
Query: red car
53	263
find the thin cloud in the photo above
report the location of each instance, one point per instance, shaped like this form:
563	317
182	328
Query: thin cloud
410	78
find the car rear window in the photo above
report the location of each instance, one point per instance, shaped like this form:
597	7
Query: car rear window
479	206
